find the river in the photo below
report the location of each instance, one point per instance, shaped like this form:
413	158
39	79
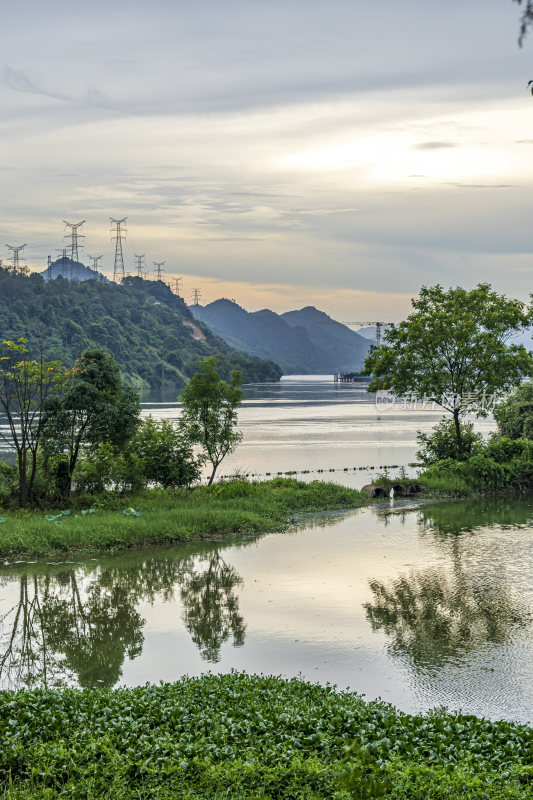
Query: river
422	604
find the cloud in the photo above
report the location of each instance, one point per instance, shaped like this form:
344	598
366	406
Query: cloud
482	185
433	145
95	97
20	81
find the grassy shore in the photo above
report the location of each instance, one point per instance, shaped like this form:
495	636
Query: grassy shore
112	522
239	736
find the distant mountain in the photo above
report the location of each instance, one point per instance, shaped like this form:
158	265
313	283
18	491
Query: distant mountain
339	346
145	327
72	271
301	342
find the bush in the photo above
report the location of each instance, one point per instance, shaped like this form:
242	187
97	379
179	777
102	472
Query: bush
165	454
103	468
8	481
441	443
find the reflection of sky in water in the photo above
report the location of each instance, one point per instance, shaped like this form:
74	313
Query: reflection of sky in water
300	597
306	424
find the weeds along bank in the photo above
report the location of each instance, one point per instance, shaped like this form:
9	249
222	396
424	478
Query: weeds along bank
239	736
111	521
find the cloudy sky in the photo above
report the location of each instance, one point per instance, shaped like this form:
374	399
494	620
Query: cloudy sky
282	152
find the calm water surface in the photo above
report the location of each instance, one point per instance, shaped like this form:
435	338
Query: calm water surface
311	423
421	604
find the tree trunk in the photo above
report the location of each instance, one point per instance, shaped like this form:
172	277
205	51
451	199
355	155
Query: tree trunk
458	435
21	457
210	481
33	473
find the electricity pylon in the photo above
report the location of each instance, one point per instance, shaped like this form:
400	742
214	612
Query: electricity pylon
118	269
74	236
159	269
141	271
16	267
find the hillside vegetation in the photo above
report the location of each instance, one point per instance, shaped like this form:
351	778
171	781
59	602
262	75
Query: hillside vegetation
145	327
303	342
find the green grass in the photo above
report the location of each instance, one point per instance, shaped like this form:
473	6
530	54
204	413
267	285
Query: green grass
238	736
170	516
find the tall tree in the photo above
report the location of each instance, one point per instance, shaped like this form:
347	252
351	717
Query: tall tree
210	412
94	407
25	387
453	351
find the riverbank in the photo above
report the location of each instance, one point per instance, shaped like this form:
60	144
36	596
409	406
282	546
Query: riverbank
245	736
112	522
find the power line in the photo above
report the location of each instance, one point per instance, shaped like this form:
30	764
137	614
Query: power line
74	236
118	269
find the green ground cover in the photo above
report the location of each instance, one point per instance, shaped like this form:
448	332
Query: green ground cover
111	521
238	736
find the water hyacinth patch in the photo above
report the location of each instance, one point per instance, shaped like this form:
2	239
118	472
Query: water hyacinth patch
243	736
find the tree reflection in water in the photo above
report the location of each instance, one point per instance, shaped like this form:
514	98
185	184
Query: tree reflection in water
79	625
211	607
433	616
431	619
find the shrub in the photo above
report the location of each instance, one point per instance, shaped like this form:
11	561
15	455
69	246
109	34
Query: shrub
8	481
103	468
441	443
165	453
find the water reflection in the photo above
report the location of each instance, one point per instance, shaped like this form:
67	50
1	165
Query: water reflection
80	624
435	616
211	606
431	608
481	512
432	619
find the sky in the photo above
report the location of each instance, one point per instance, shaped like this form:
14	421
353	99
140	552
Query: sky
282	153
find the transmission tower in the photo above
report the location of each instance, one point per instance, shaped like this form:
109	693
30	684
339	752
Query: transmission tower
159	269
95	260
118	269
67	267
141	271
196	295
16	267
74	236
177	286
49	268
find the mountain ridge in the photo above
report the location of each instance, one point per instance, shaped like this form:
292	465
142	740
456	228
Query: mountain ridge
303	341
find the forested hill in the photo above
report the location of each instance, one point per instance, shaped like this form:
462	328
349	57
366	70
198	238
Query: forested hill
145	327
306	341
